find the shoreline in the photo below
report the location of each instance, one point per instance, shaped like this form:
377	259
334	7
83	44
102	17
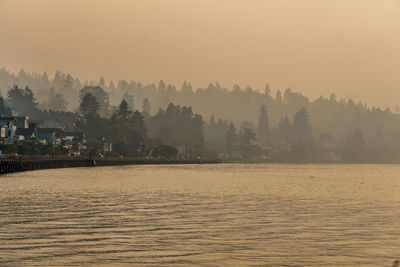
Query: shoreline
12	165
32	163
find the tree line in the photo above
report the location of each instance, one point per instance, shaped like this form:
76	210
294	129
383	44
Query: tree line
283	125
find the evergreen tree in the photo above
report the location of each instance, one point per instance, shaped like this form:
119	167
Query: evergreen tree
236	88
22	101
45	83
139	125
122	85
246	144
301	127
212	121
89	104
186	88
4	109
278	97
355	147
197	136
146	110
102	82
123	113
263	125
56	101
130	100
111	86
231	140
284	129
267	90
101	96
161	85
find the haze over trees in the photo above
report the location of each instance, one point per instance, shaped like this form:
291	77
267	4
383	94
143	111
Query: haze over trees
233	123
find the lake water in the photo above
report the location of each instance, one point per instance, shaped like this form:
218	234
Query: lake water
208	215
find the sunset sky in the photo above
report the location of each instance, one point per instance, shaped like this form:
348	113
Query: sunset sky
350	47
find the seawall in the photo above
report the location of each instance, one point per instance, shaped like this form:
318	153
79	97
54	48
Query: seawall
20	165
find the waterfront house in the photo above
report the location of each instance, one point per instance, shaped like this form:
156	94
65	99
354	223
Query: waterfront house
75	141
19	122
75	137
7	131
50	136
27	135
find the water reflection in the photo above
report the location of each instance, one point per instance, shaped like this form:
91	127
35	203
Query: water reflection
226	215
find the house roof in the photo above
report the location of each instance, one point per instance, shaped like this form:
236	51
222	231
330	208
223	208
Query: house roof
18	118
32	125
25	131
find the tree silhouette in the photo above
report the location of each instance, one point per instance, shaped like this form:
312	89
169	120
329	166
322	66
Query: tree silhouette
146	110
301	127
4	109
22	100
130	100
284	129
123	113
263	125
56	101
89	104
267	90
231	140
101	96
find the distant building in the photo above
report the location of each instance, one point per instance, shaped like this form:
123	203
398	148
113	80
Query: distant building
75	142
50	136
7	130
19	122
107	147
27	135
18	130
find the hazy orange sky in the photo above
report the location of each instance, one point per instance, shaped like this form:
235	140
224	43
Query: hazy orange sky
350	47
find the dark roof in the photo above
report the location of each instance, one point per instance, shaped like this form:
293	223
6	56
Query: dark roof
18	118
25	131
32	124
76	135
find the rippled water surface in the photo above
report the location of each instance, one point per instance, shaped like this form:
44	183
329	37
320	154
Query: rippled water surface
208	215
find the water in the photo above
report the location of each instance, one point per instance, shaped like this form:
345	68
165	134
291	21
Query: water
207	215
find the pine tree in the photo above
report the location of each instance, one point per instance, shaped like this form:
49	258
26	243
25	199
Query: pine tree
285	129
263	126
130	100
278	97
231	140
267	90
4	109
123	113
301	127
89	104
146	110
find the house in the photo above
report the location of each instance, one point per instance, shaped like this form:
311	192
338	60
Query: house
75	141
107	147
76	137
50	136
19	122
27	135
7	131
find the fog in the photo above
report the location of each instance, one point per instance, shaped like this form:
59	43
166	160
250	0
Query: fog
313	46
